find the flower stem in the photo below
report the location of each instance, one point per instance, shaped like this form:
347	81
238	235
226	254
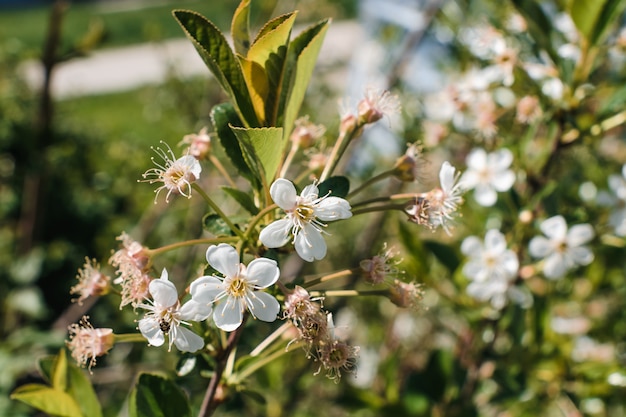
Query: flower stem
129	337
288	159
340	147
381	207
326	278
371	181
262	362
217	210
347	293
270	339
192	242
222	170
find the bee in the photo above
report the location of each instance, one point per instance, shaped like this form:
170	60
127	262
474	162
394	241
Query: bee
164	326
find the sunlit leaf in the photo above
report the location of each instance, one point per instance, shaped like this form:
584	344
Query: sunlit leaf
585	14
266	144
220	59
156	396
59	371
49	400
301	59
240	28
81	389
223	116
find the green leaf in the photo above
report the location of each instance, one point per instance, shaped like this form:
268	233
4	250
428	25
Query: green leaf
46	364
444	254
268	52
609	15
240	28
59	371
49	400
220	59
82	391
265	145
336	186
244	199
301	58
215	225
156	396
585	14
223	116
540	27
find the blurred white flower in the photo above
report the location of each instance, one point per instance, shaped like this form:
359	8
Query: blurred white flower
563	249
617	200
303	220
488	174
165	316
491	267
238	286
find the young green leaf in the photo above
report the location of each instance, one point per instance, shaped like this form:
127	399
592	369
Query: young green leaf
240	28
244	199
156	396
265	145
301	58
223	116
49	400
336	186
585	14
220	59
269	51
609	16
59	371
82	391
215	225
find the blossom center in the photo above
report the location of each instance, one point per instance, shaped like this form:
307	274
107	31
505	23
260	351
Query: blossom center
305	213
238	287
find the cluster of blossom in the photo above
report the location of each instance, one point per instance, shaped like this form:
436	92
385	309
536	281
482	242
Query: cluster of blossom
238	289
315	330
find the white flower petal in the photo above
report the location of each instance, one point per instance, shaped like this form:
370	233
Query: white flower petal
470	179
501	159
149	328
188	341
510	264
284	194
163	292
503	181
192	164
332	208
223	258
276	234
447	177
471	246
485	195
264	306
495	243
554	227
228	315
310	244
195	311
581	255
539	247
555	266
476	160
310	192
475	270
262	272
205	290
580	234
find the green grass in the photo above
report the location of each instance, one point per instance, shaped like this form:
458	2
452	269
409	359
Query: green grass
118	22
121	23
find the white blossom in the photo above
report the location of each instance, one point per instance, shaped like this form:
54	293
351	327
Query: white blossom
303	220
165	316
491	267
562	249
617	200
238	289
488	174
